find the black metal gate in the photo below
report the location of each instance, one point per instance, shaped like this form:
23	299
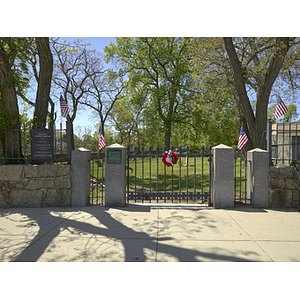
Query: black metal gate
150	181
240	178
97	179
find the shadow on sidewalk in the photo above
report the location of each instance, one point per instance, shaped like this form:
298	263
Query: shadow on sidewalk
114	230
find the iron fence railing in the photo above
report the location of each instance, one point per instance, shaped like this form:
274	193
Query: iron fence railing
16	145
283	140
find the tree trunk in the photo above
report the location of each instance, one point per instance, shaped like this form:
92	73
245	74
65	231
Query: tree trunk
255	126
9	103
168	128
44	81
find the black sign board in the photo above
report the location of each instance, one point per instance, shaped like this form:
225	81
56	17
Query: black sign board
114	156
42	144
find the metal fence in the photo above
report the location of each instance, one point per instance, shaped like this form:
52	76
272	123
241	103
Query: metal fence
240	177
16	145
283	143
97	182
149	180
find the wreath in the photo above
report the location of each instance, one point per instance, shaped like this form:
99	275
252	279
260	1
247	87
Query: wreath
169	158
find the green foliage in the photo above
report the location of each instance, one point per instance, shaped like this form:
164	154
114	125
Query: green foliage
158	75
19	52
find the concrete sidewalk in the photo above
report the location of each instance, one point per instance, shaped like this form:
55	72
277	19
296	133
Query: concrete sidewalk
162	233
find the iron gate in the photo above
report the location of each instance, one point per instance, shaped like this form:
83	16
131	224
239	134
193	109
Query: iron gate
149	180
240	178
97	179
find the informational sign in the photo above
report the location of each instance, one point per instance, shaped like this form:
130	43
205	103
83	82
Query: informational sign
114	156
42	144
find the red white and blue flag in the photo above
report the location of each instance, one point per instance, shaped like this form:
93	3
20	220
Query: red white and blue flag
101	139
280	109
65	110
243	139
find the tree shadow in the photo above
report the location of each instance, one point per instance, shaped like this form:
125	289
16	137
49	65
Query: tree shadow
134	242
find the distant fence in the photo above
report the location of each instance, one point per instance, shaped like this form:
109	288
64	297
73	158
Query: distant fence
16	145
283	143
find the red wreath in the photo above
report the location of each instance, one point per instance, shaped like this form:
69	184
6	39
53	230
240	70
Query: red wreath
169	158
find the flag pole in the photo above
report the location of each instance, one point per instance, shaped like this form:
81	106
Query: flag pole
98	146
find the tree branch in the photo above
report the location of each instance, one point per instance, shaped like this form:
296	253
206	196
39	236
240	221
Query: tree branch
239	82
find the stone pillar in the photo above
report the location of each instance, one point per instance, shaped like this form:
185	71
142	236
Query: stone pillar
223	177
81	172
258	177
115	176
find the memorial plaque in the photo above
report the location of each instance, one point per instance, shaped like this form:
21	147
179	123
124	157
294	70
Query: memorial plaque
114	156
42	144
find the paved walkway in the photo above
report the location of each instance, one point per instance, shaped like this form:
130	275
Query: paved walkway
162	233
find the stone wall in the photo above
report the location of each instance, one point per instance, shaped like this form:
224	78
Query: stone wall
35	185
283	188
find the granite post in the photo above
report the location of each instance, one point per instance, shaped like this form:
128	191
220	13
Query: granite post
115	176
81	172
258	177
223	176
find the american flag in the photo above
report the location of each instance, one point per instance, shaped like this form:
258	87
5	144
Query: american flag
64	107
101	139
280	108
243	139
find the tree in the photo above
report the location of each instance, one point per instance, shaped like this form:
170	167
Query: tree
252	70
157	68
126	119
14	54
256	63
44	81
105	89
214	117
74	64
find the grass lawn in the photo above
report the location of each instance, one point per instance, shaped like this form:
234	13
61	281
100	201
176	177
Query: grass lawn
150	174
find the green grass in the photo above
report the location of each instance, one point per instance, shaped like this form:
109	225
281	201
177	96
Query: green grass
162	178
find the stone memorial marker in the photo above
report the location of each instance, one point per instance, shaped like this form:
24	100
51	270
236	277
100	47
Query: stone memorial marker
42	144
